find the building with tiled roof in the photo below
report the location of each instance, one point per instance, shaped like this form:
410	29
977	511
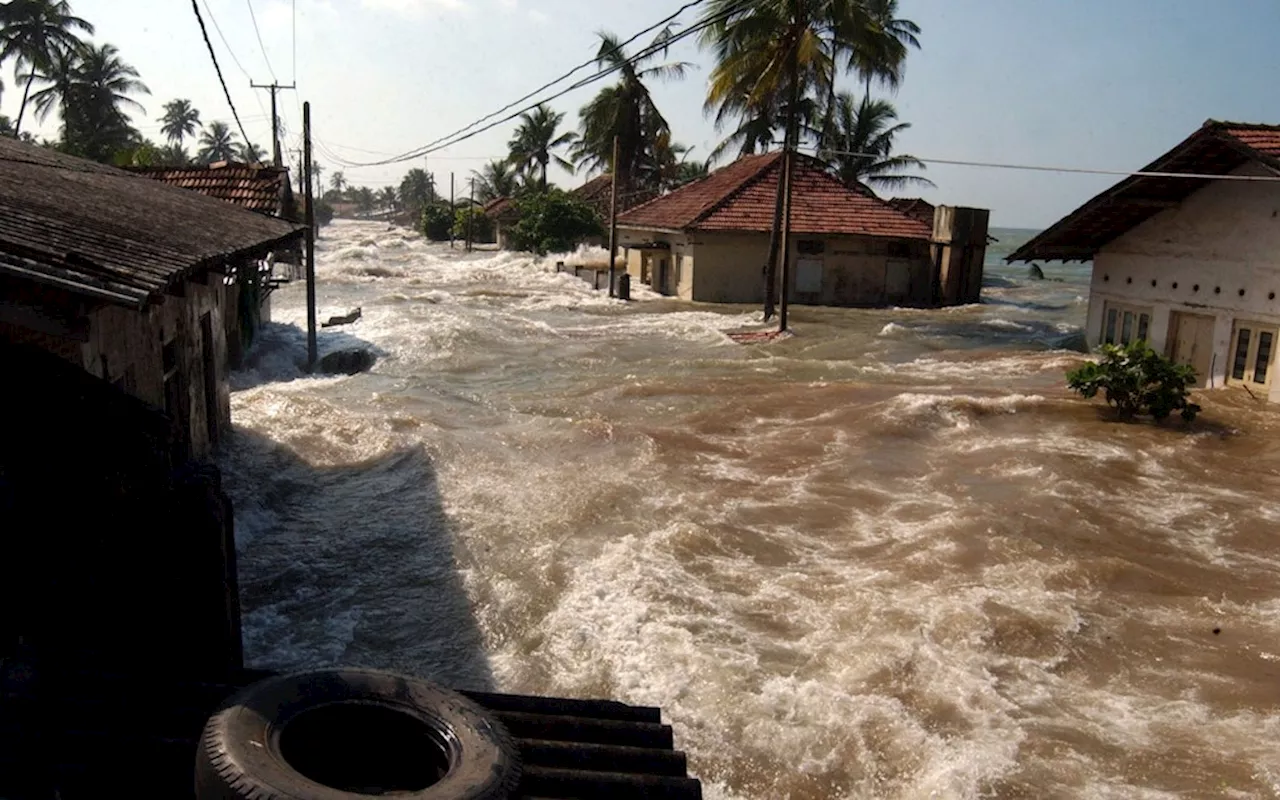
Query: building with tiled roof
708	241
263	189
1186	255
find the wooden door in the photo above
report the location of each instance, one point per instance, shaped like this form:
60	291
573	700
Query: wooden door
1253	349
897	280
1191	342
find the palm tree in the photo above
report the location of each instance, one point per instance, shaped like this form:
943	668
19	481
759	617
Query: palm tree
772	59
364	199
389	198
880	53
251	153
496	179
531	147
174	155
338	182
625	110
181	120
417	189
90	86
863	141
33	33
217	143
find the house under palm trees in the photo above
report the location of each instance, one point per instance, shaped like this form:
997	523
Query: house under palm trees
708	241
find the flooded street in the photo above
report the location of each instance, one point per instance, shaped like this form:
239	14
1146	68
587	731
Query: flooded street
887	557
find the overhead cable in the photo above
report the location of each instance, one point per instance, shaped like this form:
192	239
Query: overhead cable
258	32
205	33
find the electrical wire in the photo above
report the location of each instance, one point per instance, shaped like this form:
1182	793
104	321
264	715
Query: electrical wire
294	5
216	68
1074	170
262	47
462	134
209	11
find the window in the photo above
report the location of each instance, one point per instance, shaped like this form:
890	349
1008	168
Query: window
810	247
1125	324
1252	348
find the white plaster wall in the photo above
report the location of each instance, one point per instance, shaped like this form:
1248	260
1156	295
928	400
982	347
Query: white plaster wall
1199	257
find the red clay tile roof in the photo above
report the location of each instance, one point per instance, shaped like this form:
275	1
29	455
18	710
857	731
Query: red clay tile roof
914	207
596	193
741	197
255	188
499	207
1216	148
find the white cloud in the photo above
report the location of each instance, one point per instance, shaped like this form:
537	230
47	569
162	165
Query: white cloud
508	3
538	17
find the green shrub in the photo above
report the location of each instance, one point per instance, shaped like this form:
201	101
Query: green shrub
481	226
553	222
435	222
1137	380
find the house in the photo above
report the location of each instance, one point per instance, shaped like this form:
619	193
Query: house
127	278
260	188
1190	264
502	212
708	241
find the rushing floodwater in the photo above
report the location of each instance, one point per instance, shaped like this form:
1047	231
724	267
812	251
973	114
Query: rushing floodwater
888	557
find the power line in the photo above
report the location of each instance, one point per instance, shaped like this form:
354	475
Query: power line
294	5
1075	170
214	56
257	32
230	52
645	53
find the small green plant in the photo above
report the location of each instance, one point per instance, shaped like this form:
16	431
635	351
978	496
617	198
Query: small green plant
1137	380
436	221
553	221
481	226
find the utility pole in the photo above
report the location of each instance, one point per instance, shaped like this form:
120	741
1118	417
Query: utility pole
311	237
471	211
450	210
613	215
788	169
273	87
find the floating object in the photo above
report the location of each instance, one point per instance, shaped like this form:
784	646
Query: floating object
347	362
344	319
758	337
1035	273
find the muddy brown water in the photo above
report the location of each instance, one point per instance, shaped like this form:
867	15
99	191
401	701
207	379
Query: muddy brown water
889	557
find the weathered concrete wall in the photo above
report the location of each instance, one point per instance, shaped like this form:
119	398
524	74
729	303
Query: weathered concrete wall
126	348
848	270
1218	254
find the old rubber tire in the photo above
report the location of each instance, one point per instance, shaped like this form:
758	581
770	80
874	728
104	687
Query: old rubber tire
338	734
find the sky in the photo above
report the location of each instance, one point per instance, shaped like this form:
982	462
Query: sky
1103	84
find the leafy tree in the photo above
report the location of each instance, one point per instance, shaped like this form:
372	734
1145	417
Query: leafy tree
535	140
217	143
627	111
867	130
33	33
496	179
879	52
174	155
553	221
338	183
481	226
436	221
1137	380
181	120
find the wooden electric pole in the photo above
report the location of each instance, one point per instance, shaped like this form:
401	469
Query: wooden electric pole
613	215
788	169
311	237
273	87
471	211
450	210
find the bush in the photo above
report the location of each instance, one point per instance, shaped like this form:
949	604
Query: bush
481	226
1137	380
435	222
553	222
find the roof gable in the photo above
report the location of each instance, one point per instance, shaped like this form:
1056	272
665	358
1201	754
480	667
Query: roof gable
742	197
1216	148
111	234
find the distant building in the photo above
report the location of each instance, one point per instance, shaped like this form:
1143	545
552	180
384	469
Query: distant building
1191	265
127	278
501	211
709	240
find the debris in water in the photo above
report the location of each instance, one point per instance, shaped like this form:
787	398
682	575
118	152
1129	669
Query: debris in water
342	319
758	337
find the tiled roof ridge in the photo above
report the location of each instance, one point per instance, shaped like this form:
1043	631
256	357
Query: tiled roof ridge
767	160
727	195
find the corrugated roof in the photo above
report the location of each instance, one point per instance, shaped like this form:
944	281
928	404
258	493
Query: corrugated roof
1216	148
256	188
111	234
741	197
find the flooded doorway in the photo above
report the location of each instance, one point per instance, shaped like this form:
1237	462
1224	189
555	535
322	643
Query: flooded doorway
1191	342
